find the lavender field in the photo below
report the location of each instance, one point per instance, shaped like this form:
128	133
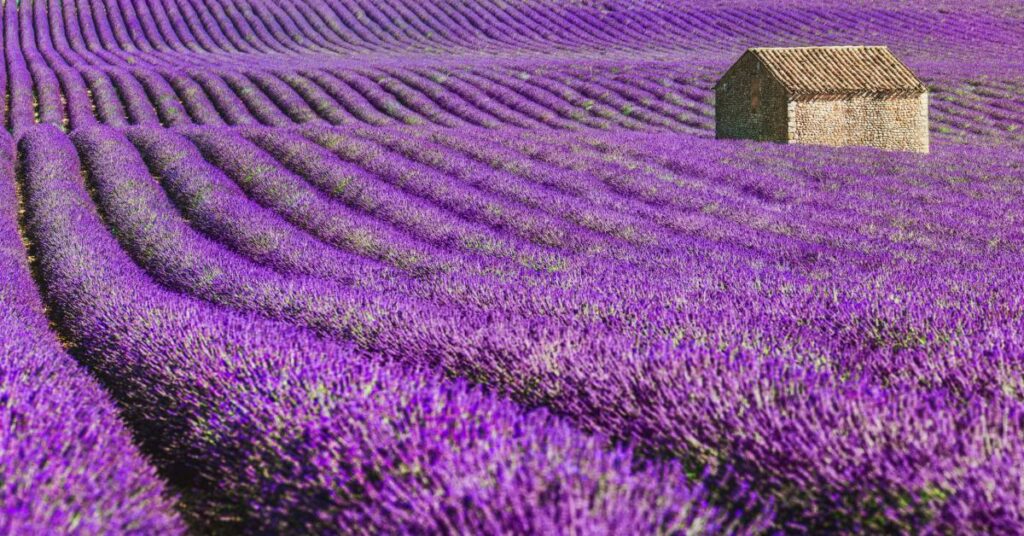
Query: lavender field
480	267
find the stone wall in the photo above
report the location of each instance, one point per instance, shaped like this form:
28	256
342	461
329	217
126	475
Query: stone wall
894	123
750	104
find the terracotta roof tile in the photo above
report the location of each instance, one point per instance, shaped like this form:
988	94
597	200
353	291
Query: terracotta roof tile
839	70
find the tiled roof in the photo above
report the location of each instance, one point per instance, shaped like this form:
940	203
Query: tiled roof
839	70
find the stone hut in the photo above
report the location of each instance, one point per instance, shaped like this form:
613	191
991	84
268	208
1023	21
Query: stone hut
836	95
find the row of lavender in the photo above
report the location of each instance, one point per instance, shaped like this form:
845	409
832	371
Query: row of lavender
264	427
830	330
648	97
74	71
849	356
161	31
67	463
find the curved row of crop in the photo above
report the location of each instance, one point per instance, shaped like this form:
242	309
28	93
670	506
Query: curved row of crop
115	96
216	206
67	462
731	234
874	394
598	418
953	368
264	427
216	28
557	98
127	63
793	238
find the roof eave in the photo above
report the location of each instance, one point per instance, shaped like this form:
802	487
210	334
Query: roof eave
900	93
